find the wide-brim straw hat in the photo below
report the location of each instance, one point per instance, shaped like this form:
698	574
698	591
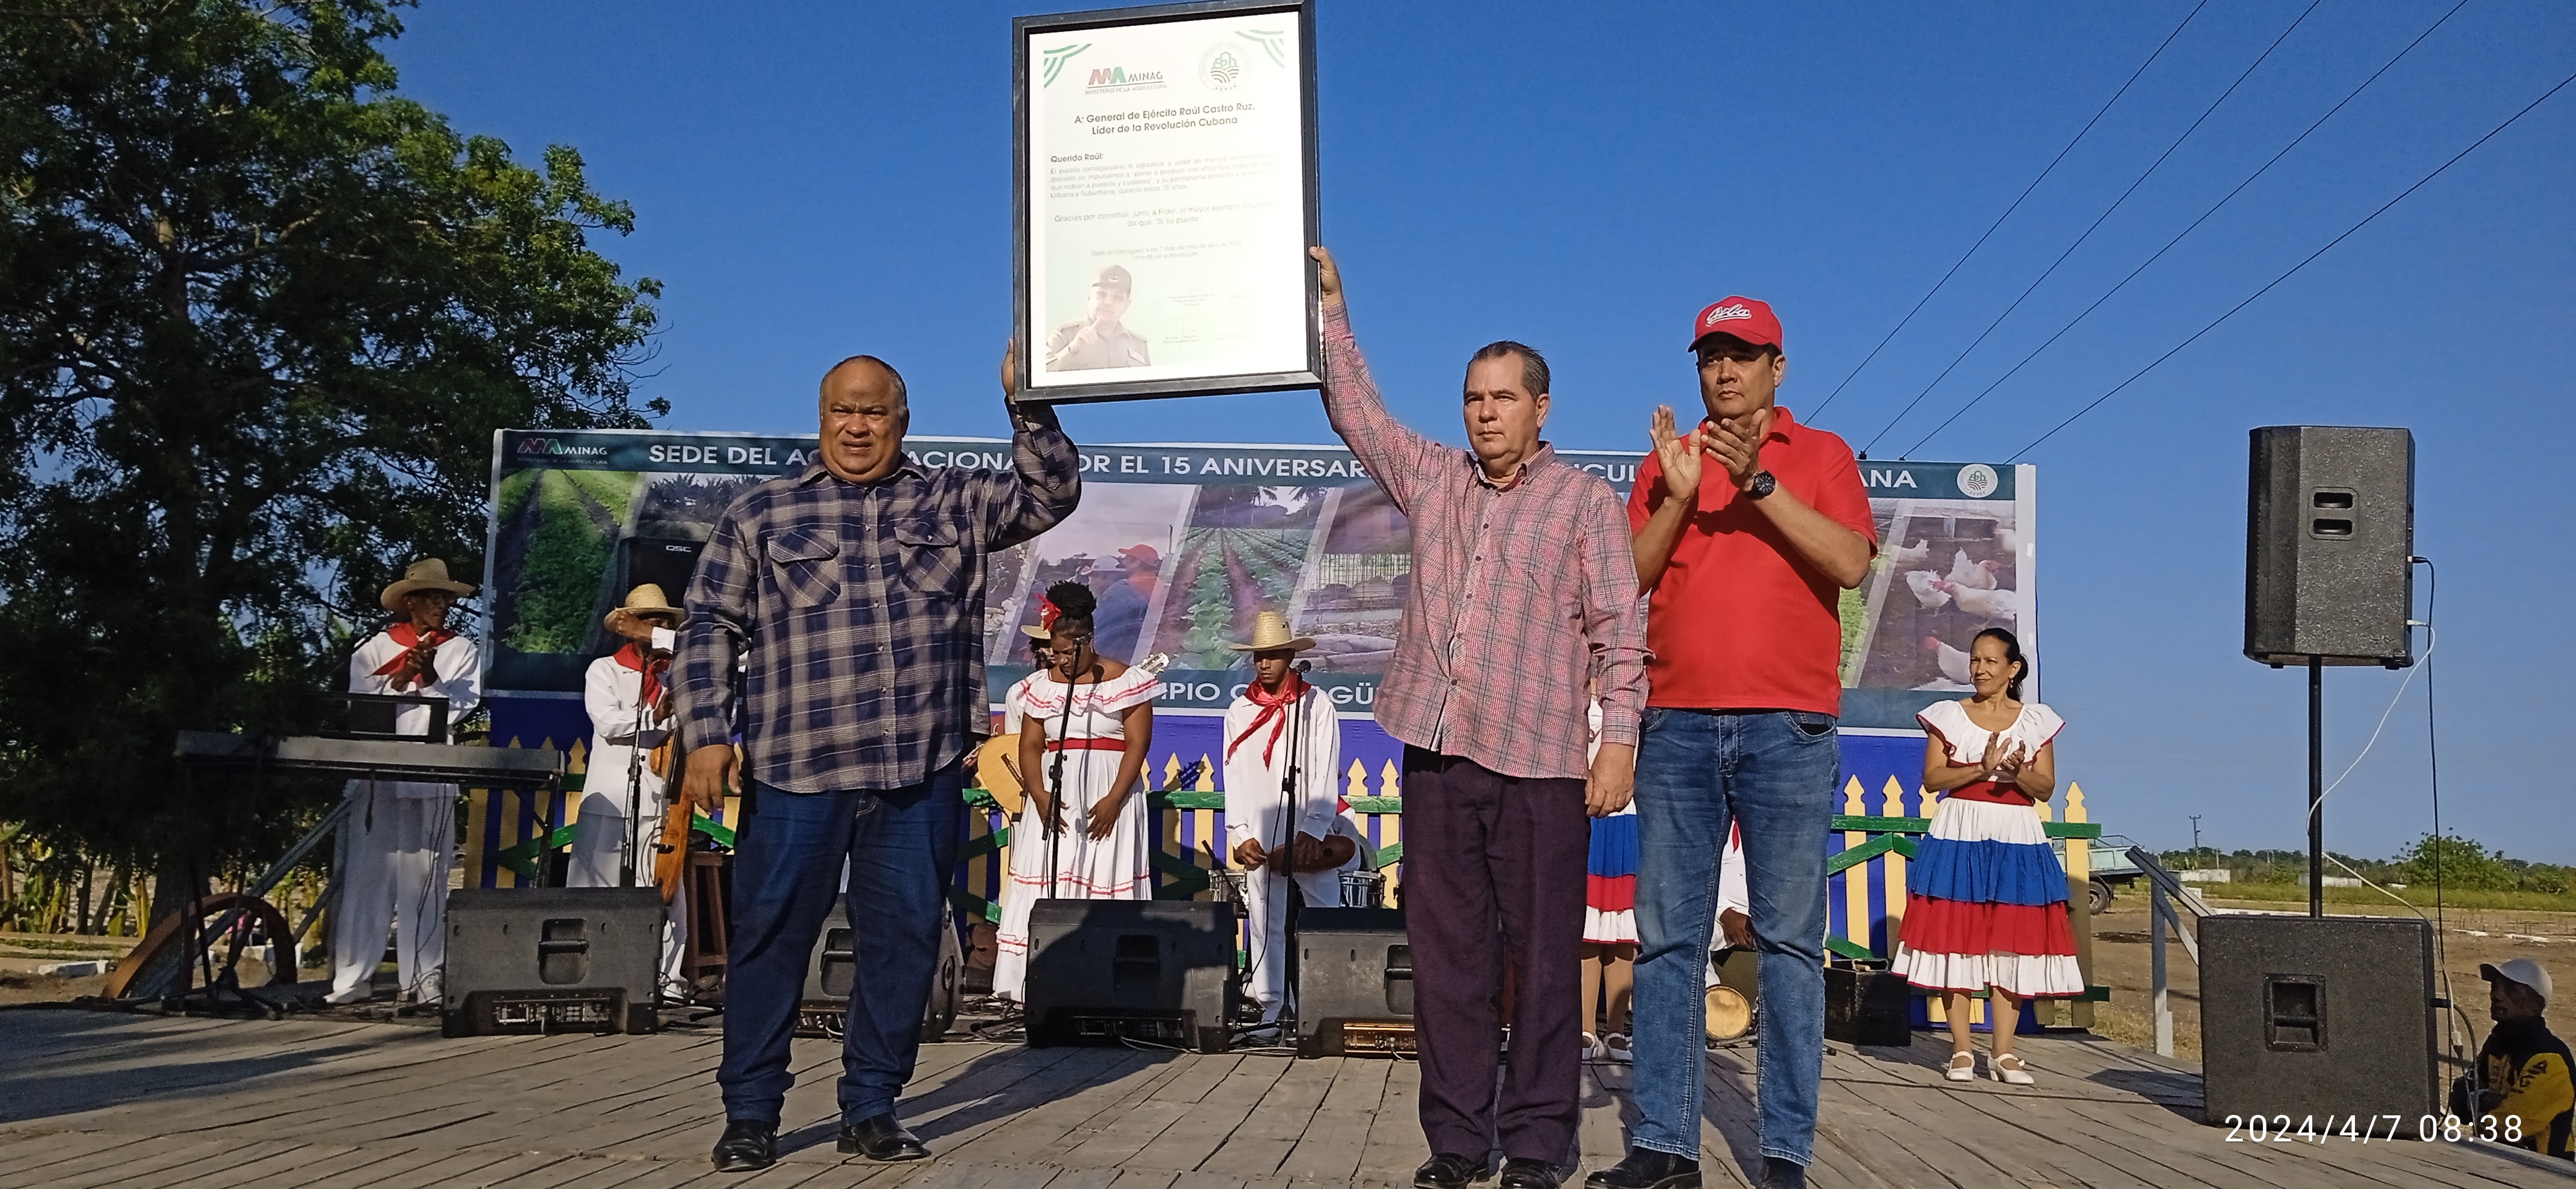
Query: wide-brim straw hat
429	573
1270	634
649	602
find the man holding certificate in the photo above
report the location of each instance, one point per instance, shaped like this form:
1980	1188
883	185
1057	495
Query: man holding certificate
1524	593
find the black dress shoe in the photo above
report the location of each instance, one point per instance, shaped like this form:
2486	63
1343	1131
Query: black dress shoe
1445	1171
749	1145
1522	1172
1783	1174
882	1139
1646	1168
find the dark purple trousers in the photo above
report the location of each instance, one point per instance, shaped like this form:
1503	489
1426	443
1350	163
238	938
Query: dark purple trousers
1494	871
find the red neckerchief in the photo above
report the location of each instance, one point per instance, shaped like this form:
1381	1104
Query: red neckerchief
631	657
1272	706
402	669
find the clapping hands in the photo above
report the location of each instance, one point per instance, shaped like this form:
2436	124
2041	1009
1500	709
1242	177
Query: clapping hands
2003	761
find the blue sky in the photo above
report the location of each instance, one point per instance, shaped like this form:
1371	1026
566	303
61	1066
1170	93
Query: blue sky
812	181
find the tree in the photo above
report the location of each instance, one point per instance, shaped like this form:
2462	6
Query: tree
259	317
2457	863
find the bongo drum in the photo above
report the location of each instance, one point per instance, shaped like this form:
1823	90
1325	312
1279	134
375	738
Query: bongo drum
1363	889
1730	1015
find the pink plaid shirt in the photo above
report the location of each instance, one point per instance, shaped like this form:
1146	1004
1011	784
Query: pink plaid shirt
1519	595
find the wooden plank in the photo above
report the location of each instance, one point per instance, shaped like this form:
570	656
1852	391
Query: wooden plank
25	1153
1259	1145
1116	1145
283	1165
1212	1120
1336	1137
126	1161
1043	1135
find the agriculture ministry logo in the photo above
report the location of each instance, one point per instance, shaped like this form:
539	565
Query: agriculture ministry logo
1977	481
1052	61
1221	67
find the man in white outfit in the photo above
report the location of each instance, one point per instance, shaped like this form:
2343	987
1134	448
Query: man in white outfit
627	695
396	846
1279	715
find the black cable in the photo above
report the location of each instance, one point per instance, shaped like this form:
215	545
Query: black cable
2016	205
2433	755
2438	171
2096	225
2295	142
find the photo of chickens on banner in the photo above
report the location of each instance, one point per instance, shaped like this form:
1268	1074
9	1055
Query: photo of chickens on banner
1185	545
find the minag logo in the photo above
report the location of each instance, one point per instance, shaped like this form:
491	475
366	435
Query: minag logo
553	448
1116	78
1727	314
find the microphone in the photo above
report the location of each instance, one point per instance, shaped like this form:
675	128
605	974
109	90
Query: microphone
1304	666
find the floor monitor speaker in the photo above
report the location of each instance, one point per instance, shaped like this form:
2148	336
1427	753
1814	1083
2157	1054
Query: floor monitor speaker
1354	983
538	960
824	1008
1115	972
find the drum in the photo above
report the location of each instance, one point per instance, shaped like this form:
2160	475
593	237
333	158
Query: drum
1228	884
1730	1014
1363	889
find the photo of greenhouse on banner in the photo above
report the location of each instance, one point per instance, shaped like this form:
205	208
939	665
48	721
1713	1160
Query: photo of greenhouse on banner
1185	544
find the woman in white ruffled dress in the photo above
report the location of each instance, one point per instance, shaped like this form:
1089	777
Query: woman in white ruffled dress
1103	850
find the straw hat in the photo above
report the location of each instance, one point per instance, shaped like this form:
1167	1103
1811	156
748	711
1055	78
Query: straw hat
648	602
428	573
1270	633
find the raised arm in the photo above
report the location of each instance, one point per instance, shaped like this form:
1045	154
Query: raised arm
1045	482
1398	458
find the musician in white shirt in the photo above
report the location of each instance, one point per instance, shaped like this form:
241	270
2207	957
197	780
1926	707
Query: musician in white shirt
628	696
398	843
1279	716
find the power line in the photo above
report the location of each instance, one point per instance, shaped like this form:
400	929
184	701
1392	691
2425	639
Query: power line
2016	205
2294	269
2355	93
2096	225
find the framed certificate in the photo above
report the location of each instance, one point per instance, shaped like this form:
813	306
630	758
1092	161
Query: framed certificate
1166	188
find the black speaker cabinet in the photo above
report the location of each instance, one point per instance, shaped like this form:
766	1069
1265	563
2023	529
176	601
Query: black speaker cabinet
2330	529
1107	972
825	1007
1354	983
2305	1017
1868	1007
539	960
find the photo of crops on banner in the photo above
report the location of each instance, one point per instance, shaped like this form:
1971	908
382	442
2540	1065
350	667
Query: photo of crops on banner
1185	544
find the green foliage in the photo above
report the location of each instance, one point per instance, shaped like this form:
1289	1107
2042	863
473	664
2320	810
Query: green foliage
2458	864
259	317
558	578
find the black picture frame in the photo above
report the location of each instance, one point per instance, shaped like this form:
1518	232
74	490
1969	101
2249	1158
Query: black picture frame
1022	29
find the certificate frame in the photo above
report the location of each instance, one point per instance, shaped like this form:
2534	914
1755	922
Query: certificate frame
1026	204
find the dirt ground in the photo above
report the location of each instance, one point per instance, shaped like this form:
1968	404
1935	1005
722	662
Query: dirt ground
2121	961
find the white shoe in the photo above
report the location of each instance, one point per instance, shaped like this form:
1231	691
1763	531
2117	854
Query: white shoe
1963	1067
1617	1046
1593	1050
2010	1070
351	997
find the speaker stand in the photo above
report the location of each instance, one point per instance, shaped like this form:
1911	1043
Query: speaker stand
2316	788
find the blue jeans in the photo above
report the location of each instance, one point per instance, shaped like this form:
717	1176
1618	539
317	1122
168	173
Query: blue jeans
901	845
1698	771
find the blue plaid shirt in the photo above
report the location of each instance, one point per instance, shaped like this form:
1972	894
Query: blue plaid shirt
859	609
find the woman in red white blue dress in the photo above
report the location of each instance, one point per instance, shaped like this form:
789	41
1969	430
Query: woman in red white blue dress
1986	909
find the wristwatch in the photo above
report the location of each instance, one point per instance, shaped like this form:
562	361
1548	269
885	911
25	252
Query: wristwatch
1763	484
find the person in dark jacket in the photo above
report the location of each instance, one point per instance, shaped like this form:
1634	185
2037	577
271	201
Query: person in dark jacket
2519	1093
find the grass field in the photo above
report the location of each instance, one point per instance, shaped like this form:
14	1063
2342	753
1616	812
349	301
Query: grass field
2417	896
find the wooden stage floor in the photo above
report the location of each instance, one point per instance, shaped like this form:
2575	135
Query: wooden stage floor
89	1099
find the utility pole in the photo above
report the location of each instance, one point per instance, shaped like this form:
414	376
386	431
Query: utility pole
2195	840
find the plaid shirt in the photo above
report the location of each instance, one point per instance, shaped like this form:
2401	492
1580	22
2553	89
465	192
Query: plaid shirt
1520	593
861	610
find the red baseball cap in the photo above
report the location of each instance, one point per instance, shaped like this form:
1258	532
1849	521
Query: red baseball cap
1738	317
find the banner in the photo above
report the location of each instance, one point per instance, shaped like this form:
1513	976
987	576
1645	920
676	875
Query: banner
1185	544
1166	197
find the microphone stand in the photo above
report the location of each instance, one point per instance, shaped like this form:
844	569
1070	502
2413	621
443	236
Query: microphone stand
1055	777
1294	902
631	827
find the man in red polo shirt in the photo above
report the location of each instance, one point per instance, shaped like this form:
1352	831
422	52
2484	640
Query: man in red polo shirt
1748	529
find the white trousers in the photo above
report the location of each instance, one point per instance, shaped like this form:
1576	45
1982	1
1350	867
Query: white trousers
597	840
394	854
1266	903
